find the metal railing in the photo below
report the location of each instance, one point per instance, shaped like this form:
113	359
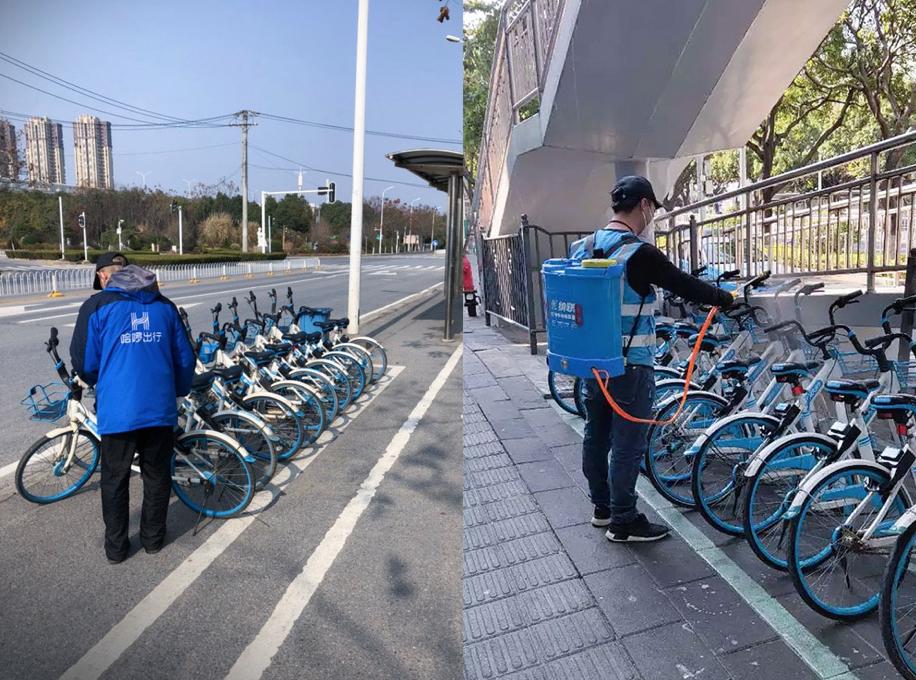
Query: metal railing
46	281
524	43
511	271
850	214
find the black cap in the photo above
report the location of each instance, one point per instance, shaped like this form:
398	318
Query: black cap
107	260
632	188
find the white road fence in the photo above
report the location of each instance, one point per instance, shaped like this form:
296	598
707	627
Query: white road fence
37	281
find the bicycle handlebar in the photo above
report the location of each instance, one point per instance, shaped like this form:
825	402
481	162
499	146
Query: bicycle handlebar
699	271
727	276
786	285
59	365
842	301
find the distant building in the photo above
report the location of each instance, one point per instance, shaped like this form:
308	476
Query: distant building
9	155
44	151
92	153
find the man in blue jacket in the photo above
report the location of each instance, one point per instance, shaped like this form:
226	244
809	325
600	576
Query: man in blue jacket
130	343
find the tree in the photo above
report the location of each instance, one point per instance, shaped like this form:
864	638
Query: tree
479	44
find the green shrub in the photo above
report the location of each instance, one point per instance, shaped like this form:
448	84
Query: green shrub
148	259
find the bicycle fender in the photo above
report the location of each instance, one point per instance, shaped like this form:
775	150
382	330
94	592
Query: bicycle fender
213	434
761	457
268	430
694	387
265	393
59	431
724	422
808	485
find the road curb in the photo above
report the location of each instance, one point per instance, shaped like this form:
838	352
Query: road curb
398	304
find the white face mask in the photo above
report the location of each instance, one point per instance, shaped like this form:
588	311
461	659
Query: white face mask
647	235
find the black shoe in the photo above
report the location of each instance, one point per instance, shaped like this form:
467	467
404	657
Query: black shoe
153	551
602	516
639	530
115	560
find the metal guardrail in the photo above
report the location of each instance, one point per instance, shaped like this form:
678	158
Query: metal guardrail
861	220
524	44
47	281
511	271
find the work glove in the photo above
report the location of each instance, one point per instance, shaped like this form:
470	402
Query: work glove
726	299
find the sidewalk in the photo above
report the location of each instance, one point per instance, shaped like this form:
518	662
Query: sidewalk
547	596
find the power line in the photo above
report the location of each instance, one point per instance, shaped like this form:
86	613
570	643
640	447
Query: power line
203	122
34	70
188	148
331	172
345	128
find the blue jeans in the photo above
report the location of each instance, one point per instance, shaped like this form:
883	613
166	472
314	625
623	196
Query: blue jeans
614	485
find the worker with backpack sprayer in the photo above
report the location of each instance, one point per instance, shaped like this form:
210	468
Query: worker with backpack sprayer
618	410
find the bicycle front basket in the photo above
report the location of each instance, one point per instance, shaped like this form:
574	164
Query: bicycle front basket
47	402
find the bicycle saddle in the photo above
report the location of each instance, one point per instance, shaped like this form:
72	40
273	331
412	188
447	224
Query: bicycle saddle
228	373
202	381
790	367
850	391
260	357
893	402
738	365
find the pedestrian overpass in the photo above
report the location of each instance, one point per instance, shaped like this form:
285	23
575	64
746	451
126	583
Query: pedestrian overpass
584	91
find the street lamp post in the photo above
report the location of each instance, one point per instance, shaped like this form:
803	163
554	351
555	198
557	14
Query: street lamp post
410	220
359	143
120	245
381	226
82	223
180	232
432	232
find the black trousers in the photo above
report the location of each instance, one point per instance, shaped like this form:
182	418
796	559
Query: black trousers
154	444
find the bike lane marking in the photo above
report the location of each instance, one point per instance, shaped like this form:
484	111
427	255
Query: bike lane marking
128	630
816	655
257	656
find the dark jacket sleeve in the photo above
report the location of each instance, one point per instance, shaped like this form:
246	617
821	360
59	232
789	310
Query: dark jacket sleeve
182	356
648	266
80	340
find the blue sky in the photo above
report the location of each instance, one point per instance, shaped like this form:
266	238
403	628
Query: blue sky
202	58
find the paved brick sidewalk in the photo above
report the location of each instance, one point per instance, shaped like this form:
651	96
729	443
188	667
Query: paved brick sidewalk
547	596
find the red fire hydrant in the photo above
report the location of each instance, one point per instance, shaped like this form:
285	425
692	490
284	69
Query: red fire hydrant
471	299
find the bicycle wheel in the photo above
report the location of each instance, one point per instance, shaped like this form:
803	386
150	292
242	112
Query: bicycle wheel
255	437
339	378
46	473
835	572
376	352
308	407
289	432
898	605
210	474
669	454
717	476
361	355
563	390
323	385
579	396
355	373
769	493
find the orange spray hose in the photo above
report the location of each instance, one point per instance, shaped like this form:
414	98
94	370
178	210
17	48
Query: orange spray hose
603	378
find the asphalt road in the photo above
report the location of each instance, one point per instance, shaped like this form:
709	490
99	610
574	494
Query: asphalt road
24	323
327	580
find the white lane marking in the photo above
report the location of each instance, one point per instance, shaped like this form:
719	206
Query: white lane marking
812	651
383	273
8	469
192	297
16	310
377	312
124	633
259	653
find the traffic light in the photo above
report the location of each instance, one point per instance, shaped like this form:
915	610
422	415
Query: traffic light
332	188
82	220
173	206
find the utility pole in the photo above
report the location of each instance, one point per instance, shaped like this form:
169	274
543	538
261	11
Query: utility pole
120	242
60	205
381	226
269	247
359	142
244	124
432	232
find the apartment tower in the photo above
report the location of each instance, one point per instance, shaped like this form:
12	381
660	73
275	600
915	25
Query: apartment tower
92	153
44	151
9	155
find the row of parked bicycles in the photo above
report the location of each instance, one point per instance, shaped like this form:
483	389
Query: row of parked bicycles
264	391
801	440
